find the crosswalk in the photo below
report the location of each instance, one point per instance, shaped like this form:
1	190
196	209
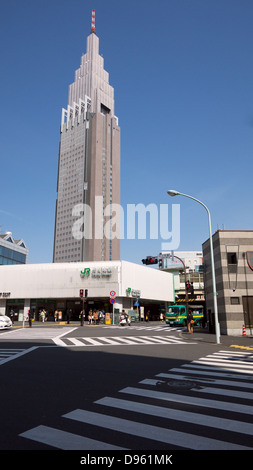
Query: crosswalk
8	354
140	327
205	404
118	341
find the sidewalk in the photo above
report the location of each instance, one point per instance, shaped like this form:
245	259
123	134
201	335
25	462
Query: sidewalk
203	335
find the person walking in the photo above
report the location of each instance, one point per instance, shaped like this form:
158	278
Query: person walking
190	322
43	315
30	317
12	316
69	314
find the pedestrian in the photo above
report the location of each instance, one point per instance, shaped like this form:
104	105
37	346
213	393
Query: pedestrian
190	322
90	316
56	315
95	317
12	316
43	315
82	317
69	313
30	317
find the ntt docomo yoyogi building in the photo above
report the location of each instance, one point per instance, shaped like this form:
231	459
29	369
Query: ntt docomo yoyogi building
56	286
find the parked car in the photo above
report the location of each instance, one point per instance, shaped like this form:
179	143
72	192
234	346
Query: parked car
5	322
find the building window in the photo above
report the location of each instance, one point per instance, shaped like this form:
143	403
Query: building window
232	258
232	262
234	300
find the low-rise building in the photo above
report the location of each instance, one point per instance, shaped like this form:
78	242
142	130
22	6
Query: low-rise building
193	262
233	259
111	286
12	251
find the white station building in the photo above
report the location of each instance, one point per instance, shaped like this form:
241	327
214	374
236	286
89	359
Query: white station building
56	286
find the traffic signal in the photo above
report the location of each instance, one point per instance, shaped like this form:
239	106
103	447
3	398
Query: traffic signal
150	260
86	292
160	263
81	293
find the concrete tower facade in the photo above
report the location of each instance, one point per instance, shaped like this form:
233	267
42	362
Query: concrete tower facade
88	187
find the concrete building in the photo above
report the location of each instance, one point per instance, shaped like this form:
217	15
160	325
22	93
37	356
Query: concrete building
12	251
193	261
57	286
233	257
89	166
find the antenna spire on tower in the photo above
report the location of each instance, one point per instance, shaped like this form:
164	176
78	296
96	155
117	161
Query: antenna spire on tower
93	29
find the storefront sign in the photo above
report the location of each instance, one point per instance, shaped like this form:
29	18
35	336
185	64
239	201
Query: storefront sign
133	292
85	272
96	272
5	294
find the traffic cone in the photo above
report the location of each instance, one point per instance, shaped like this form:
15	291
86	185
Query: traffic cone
243	331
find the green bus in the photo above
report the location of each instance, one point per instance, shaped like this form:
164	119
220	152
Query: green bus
176	315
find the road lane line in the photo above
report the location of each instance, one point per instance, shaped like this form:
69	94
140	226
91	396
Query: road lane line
232	407
65	440
178	415
147	431
22	353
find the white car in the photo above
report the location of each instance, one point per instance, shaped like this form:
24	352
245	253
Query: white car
5	322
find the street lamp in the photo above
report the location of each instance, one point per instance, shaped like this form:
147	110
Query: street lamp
173	193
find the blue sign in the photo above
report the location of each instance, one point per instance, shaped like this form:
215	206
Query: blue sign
136	304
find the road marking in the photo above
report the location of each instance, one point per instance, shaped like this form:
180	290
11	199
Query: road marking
226	392
212	371
173	397
75	341
148	431
200	415
12	355
220	367
204	380
65	440
116	341
241	347
37	333
239	366
178	415
140	327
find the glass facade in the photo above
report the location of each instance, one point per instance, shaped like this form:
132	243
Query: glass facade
8	256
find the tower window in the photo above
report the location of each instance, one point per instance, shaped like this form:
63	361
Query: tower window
104	109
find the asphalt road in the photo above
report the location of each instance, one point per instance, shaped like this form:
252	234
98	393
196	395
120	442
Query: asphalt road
141	388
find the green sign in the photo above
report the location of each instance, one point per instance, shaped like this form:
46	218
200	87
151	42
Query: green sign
85	272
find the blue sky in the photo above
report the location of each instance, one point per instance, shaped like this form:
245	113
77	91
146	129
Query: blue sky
182	71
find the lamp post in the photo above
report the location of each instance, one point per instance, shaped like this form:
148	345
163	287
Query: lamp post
173	193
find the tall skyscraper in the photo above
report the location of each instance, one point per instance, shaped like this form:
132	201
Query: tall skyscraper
88	183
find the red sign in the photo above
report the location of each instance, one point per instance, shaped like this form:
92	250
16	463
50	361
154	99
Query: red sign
249	255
